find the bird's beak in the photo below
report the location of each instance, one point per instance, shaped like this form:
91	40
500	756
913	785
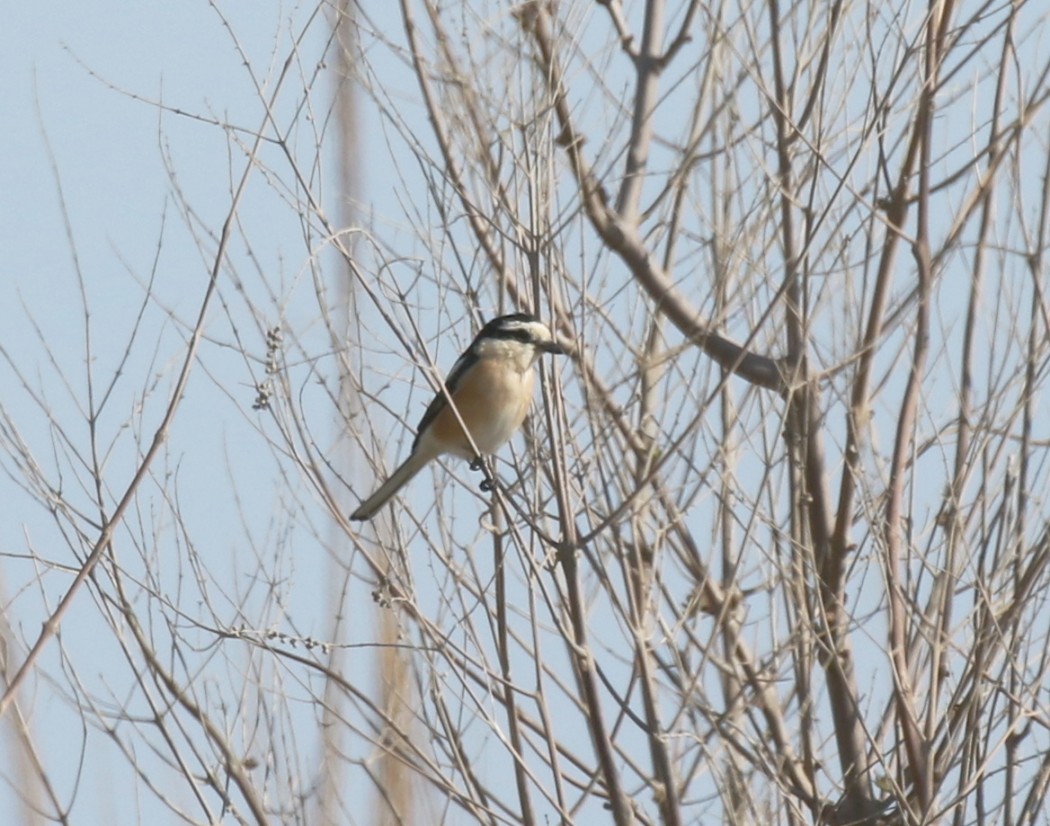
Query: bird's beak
552	347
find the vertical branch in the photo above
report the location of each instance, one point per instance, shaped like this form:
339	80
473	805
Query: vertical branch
578	644
647	65
1038	328
619	803
508	693
639	562
919	765
945	586
395	799
732	685
812	513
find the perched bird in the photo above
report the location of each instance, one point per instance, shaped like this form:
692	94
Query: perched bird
491	388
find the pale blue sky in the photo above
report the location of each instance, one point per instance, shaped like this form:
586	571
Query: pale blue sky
80	81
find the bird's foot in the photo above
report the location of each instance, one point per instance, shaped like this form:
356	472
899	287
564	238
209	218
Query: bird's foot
488	483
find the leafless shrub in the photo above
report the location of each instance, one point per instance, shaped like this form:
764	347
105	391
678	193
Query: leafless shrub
774	546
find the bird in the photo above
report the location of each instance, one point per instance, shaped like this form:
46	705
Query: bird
491	389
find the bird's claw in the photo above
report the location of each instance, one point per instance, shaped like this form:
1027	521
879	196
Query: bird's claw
487	484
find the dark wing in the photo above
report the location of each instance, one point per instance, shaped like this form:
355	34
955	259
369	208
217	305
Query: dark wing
440	401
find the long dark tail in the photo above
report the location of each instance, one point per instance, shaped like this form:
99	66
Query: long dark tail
398	479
